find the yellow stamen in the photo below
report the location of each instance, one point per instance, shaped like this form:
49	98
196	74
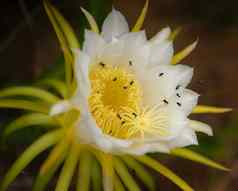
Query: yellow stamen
116	104
151	120
114	93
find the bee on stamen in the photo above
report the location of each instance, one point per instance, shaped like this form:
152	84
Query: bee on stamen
135	115
119	116
102	64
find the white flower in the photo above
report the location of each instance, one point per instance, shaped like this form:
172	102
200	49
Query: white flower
131	99
123	95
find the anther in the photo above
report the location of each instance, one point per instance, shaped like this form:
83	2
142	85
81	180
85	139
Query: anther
177	94
114	79
179	104
130	63
123	122
124	87
132	82
165	101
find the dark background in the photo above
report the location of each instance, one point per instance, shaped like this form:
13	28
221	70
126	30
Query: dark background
29	47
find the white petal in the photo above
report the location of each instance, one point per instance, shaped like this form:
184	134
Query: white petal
184	75
141	149
112	145
161	82
134	38
161	53
177	121
93	43
187	137
135	49
115	47
82	62
87	130
129	47
188	100
201	127
136	60
161	36
114	25
112	53
184	100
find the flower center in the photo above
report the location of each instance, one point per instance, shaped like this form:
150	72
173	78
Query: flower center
115	94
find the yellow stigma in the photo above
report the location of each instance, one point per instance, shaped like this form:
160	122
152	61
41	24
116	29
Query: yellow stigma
150	120
115	93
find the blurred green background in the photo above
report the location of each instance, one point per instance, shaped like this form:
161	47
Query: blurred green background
29	50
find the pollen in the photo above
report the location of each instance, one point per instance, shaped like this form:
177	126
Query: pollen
114	93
